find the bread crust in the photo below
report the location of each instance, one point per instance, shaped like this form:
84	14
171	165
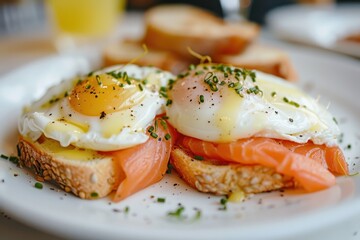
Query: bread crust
263	58
86	179
123	52
224	179
220	37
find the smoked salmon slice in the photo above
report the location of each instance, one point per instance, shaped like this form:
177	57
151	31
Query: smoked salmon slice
144	164
330	157
310	174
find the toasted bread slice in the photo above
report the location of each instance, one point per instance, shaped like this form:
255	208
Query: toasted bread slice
85	173
124	52
263	58
205	176
176	27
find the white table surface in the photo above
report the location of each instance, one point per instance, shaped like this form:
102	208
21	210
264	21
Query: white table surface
17	50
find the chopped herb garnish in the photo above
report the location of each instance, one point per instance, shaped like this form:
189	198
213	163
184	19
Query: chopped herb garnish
98	79
127	209
161	200
197	157
223	202
4	156
335	121
169	168
191	67
140	87
177	213
197	215
201	98
348	146
273	94
154	135
291	102
14	159
94	195
151	129
167	136
163	124
38	185
168	102
88	86
254	90
198	72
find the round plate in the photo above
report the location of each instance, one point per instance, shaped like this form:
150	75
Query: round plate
321	26
270	215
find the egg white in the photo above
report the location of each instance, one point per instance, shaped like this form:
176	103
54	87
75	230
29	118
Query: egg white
280	110
54	117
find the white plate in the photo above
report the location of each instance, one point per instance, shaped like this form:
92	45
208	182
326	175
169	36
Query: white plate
322	26
270	215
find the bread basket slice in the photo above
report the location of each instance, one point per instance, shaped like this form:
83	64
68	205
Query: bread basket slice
263	58
176	27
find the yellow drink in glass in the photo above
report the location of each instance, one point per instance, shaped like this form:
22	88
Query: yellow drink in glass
83	21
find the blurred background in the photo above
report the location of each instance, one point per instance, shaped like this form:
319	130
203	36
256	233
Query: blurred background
37	28
27	15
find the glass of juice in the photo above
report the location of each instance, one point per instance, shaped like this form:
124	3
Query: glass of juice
81	23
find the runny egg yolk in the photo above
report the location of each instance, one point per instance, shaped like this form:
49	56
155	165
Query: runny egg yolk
103	94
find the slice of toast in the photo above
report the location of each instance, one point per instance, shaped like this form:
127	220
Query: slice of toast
176	27
124	52
85	173
263	58
224	179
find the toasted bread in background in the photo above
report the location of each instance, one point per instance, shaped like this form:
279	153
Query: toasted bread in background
123	52
263	58
206	176
174	28
92	178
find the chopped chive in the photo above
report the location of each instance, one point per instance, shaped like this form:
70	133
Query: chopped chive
168	102
169	168
273	94
66	94
197	215
197	157
161	200
208	76
94	195
167	136
291	102
14	159
223	202
198	72
38	185
127	209
88	86
191	67
4	156
163	124
154	135
151	128
201	98
98	79
335	121
215	79
140	87
177	213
